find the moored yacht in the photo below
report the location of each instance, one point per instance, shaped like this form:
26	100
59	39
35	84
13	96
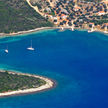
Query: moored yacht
6	50
31	48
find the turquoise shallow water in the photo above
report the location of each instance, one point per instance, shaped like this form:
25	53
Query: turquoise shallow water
78	61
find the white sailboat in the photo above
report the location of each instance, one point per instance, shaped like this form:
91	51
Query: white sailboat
31	48
6	50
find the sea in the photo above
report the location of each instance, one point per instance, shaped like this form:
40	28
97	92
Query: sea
76	60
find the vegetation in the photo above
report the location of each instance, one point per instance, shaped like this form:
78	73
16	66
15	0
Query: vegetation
17	15
52	12
92	0
99	20
12	82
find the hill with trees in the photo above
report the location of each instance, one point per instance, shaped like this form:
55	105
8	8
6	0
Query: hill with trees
12	82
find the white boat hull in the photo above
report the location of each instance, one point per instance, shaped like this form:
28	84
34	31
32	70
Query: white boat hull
30	48
6	51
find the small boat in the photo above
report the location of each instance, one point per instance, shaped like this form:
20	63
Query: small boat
105	31
62	28
31	48
72	28
89	31
92	30
6	50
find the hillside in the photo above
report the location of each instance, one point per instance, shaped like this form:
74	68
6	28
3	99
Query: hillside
17	15
92	0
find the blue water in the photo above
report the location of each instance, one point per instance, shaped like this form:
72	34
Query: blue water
77	61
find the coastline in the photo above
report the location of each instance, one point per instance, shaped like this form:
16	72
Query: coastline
27	32
49	84
44	28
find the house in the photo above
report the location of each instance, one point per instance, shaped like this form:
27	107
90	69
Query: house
76	8
101	13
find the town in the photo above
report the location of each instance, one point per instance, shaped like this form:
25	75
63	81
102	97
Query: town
74	13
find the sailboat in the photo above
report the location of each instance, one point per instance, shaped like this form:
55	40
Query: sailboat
6	50
31	48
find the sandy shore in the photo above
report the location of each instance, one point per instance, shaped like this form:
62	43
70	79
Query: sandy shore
28	31
33	30
49	84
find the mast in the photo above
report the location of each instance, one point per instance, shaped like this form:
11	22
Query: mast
7	47
31	43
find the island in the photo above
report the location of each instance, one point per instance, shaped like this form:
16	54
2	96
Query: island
14	83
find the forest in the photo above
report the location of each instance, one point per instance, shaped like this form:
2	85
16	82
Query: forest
17	15
12	82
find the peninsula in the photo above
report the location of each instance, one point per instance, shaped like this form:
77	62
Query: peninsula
23	16
12	83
